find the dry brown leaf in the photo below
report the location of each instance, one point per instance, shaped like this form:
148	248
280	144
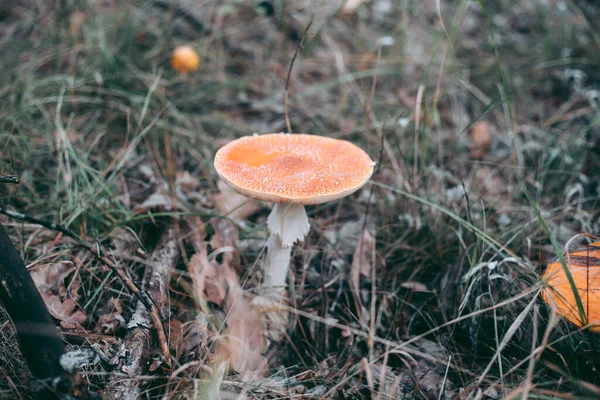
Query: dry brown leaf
186	187
112	319
160	199
189	339
63	311
361	265
275	317
73	289
50	281
224	239
233	204
361	261
244	342
50	277
363	256
208	282
186	182
124	241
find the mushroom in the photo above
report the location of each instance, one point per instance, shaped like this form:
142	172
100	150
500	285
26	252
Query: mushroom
291	170
185	59
584	266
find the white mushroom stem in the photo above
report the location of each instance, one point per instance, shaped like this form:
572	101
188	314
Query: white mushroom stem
288	224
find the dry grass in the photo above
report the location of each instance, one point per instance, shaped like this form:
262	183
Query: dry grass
94	122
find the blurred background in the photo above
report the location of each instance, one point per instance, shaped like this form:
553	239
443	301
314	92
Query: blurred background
484	120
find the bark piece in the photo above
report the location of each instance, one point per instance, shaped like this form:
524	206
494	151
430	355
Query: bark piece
133	356
164	257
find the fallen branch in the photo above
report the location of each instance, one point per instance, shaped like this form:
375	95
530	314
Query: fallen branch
96	249
164	257
133	356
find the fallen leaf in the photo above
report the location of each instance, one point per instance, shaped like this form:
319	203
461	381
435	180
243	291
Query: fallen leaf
189	339
233	204
60	300
211	280
123	240
275	317
50	277
243	343
160	199
64	311
224	240
185	190
363	255
361	265
186	182
112	319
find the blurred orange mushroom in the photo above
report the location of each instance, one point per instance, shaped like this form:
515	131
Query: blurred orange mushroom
185	59
584	266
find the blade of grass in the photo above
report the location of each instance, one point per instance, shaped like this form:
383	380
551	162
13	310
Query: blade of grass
493	243
560	255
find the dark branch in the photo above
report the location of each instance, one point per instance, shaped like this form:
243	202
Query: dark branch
39	340
97	250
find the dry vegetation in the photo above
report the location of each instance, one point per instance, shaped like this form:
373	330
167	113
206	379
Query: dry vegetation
423	285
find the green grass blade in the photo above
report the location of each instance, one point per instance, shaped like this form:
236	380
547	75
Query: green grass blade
561	257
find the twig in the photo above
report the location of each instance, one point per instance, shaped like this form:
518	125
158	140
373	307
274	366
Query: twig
373	262
96	249
287	79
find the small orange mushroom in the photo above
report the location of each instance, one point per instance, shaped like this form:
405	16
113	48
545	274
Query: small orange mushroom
481	139
584	266
185	59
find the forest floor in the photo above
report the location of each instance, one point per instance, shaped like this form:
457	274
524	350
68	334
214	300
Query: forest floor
484	120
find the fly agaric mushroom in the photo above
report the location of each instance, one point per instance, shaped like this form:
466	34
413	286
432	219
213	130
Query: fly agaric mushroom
185	59
584	266
291	170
